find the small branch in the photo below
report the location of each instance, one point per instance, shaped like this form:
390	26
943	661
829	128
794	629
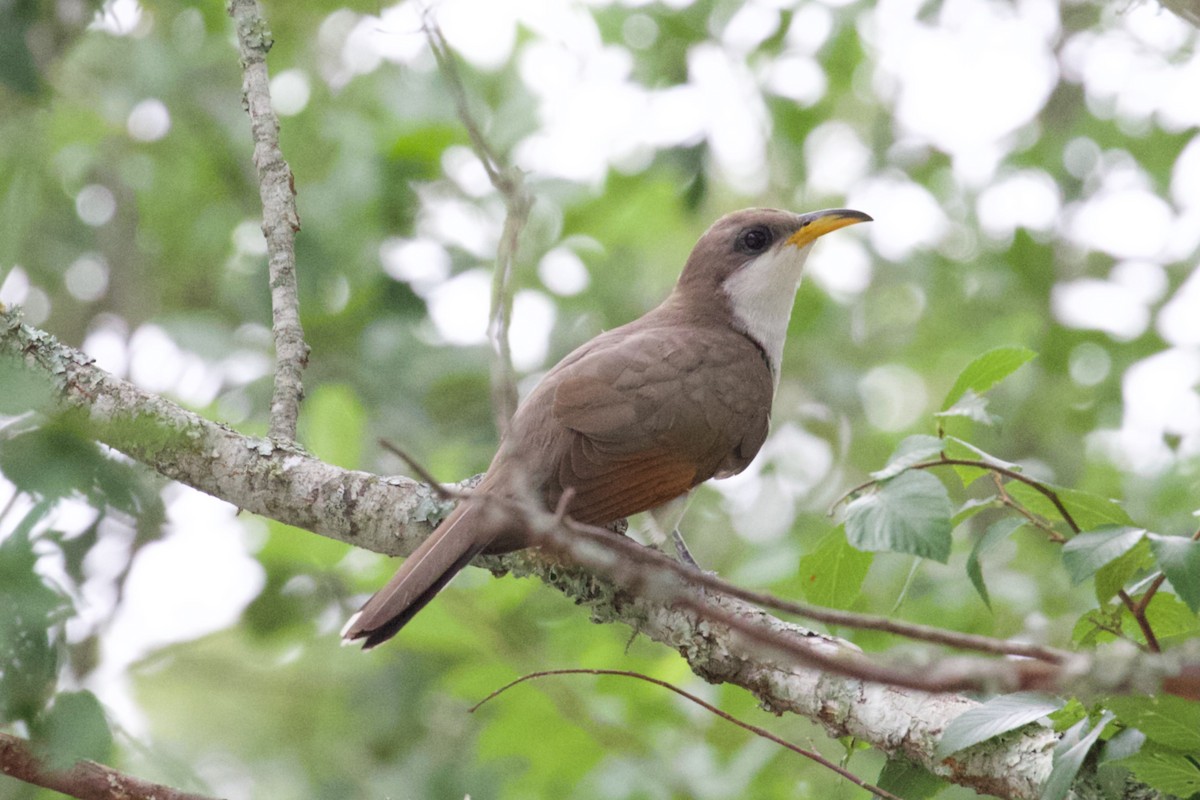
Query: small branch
1036	521
647	572
1139	616
756	730
443	491
86	780
829	616
510	183
277	188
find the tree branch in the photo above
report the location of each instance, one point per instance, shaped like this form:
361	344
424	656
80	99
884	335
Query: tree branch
510	183
723	639
85	780
277	188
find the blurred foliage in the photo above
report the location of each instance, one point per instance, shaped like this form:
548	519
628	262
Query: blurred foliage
166	285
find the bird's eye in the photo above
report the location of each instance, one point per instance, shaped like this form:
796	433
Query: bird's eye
754	240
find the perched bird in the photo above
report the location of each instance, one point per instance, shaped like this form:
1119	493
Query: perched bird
639	415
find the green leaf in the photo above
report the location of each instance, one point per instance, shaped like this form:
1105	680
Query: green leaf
986	371
972	507
1123	745
833	574
75	728
1169	618
998	715
1089	510
1179	559
1067	716
1069	756
912	450
1088	552
1097	626
1113	576
997	532
907	514
28	662
1166	770
911	781
1168	720
972	406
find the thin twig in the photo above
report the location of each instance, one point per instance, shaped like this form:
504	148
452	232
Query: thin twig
1036	521
756	730
439	488
1139	616
551	532
829	616
277	188
510	183
85	780
644	571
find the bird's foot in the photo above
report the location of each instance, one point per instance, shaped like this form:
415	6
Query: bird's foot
681	550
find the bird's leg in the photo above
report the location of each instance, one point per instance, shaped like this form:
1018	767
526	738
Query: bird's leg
681	550
664	521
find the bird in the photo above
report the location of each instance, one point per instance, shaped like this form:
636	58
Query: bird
638	416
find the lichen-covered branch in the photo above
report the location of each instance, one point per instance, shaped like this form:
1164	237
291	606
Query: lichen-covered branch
276	186
724	639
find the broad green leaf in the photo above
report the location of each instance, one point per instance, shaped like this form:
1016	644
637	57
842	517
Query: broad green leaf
911	781
1069	756
74	728
1113	576
997	532
998	715
1169	771
1168	617
1123	745
1168	720
972	507
913	450
907	514
986	371
1090	511
972	406
1179	559
833	574
1088	552
1097	626
1068	716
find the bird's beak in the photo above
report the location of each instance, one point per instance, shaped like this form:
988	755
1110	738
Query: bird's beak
818	223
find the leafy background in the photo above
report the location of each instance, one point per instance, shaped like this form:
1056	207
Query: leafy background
1032	169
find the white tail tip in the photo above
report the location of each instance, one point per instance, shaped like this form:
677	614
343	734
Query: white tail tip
346	640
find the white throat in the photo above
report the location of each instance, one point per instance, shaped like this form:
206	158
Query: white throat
762	294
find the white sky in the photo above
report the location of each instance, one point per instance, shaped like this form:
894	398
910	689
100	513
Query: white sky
995	60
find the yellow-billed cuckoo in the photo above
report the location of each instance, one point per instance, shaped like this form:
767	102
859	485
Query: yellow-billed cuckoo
641	414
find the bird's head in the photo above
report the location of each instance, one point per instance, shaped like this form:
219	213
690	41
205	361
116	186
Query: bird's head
750	263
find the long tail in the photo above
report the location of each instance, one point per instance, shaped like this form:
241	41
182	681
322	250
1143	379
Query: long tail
448	549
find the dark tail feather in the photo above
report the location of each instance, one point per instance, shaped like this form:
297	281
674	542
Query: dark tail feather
422	575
